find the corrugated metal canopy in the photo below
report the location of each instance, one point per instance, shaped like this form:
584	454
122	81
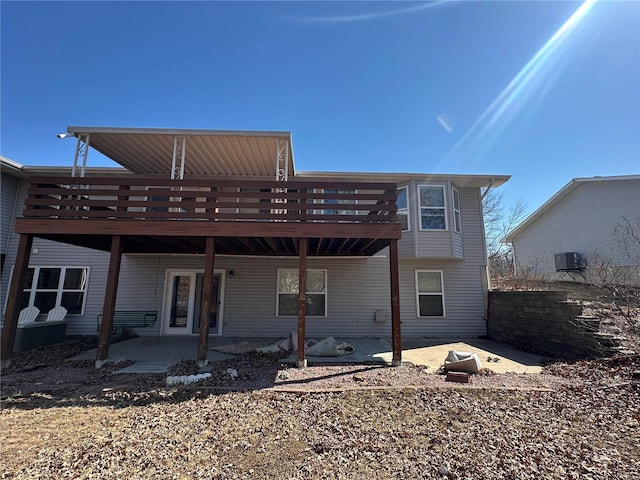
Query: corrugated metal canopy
207	152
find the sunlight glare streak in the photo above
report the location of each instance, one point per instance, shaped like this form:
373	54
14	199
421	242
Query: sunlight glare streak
372	16
445	122
531	79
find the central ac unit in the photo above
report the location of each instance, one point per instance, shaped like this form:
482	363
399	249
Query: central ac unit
567	261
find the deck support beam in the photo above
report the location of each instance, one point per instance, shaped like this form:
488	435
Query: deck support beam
205	302
396	336
302	300
109	307
13	301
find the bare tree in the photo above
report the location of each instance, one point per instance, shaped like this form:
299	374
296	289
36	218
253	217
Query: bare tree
620	284
498	221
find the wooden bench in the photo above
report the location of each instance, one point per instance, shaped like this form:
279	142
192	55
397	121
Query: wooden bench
124	319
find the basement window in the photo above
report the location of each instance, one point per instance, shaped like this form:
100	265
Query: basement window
430	293
287	301
50	287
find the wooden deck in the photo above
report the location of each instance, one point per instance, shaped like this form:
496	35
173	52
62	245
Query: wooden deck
211	217
247	217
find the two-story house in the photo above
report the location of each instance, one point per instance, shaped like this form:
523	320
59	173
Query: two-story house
220	234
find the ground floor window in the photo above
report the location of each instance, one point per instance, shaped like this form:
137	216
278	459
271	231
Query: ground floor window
430	293
50	287
287	301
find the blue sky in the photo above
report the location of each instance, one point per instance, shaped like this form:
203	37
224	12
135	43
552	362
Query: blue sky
500	87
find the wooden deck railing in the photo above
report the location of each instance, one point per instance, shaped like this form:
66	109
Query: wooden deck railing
141	198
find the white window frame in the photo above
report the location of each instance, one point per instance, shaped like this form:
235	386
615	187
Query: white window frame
32	289
457	218
441	294
405	211
325	293
443	208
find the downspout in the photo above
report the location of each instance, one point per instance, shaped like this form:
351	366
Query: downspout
485	277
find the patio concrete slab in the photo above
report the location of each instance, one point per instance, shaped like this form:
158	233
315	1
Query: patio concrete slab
156	354
366	350
432	352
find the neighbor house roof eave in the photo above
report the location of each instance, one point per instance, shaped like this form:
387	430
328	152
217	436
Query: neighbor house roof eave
563	192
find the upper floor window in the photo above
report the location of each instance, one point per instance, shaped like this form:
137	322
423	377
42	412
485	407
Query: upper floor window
432	207
456	211
403	208
50	287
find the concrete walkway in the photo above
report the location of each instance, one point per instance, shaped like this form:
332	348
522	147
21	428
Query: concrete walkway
156	354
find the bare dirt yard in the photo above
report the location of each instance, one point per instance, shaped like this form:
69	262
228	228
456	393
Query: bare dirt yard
64	419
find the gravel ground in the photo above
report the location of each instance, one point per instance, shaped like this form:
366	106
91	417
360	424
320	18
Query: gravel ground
67	420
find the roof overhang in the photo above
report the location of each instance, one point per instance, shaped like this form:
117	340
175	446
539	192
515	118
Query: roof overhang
208	152
9	166
480	181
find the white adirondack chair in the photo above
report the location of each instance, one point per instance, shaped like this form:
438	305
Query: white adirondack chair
28	315
56	314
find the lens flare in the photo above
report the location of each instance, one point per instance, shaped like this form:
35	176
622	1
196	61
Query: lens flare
533	80
372	16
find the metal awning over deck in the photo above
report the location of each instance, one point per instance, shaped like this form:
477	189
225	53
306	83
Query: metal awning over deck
207	152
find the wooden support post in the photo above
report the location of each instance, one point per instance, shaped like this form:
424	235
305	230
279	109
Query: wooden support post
205	302
396	337
302	300
109	301
13	301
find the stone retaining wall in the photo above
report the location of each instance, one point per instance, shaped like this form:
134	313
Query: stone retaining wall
547	323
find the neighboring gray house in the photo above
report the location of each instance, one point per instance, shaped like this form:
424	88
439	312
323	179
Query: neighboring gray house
241	190
589	224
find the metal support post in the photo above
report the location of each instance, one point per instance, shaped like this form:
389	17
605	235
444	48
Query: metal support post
179	151
282	171
82	150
